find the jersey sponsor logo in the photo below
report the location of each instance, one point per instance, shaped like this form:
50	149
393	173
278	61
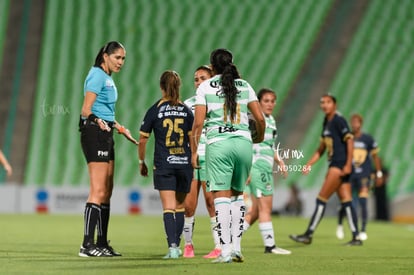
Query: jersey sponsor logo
326	132
226	129
237	83
359	144
220	93
177	160
172	111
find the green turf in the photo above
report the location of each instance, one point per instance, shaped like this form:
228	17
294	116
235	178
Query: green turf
48	244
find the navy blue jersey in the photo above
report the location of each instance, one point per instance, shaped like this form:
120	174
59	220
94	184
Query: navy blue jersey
334	134
172	127
364	147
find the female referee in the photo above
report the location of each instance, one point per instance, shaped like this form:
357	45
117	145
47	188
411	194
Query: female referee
260	184
171	120
96	126
336	138
201	74
221	106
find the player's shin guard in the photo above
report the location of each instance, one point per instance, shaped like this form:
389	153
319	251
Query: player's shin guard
91	217
170	227
316	217
238	210
223	218
352	218
188	229
179	224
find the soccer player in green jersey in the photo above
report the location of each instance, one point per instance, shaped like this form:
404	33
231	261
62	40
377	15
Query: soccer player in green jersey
201	74
222	104
260	183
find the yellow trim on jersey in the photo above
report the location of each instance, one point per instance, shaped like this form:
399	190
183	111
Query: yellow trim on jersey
162	100
375	151
348	136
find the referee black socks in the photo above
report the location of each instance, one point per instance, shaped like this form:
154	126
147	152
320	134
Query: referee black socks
91	218
102	239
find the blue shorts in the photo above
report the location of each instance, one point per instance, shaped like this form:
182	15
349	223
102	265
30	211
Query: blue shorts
358	182
178	180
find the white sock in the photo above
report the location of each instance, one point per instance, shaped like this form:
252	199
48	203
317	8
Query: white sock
213	225
238	210
223	218
266	230
246	226
188	229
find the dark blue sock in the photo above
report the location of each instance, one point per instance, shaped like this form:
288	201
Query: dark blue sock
170	227
364	213
352	218
341	215
316	217
179	224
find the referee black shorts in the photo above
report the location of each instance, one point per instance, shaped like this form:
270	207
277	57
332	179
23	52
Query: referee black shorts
178	180
97	145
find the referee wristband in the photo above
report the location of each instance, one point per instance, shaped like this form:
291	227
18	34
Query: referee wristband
379	174
92	117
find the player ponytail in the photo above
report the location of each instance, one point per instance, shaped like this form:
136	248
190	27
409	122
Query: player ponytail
222	63
109	48
170	83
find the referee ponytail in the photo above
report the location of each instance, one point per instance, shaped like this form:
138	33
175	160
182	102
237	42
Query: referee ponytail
170	83
108	48
222	63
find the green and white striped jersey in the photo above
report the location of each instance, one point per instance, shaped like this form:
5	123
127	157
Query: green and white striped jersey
201	149
218	124
263	153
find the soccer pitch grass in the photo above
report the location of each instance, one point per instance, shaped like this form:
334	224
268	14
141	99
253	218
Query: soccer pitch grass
49	244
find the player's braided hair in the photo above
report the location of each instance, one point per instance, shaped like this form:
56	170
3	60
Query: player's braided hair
222	62
170	83
108	48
